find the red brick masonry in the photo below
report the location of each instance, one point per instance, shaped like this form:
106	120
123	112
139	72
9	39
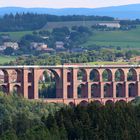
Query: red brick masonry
93	86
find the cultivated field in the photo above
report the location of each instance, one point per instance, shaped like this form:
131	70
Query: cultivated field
127	39
69	24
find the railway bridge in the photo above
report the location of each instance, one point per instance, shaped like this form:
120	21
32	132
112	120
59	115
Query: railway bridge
74	84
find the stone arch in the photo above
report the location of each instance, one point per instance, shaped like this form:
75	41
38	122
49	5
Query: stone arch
82	91
72	104
17	89
4	76
109	102
108	90
82	75
132	90
132	75
97	102
94	75
47	84
107	75
95	91
119	75
83	103
122	101
3	88
120	90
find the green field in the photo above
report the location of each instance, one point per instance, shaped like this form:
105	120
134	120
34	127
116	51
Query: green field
17	35
108	63
6	59
115	38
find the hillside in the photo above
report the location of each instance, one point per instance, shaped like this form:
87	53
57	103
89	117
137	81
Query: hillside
126	11
129	39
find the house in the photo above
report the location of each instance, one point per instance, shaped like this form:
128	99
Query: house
39	46
13	45
59	45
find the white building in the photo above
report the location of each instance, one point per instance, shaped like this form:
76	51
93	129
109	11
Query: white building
110	24
13	45
39	46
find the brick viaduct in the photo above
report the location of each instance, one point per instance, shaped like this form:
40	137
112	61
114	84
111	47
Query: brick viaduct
106	83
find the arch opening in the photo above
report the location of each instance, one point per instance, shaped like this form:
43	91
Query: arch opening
108	90
109	102
16	76
120	90
17	90
119	75
30	93
4	77
81	75
69	75
82	91
107	75
30	76
95	91
47	87
94	75
69	91
97	102
83	103
132	75
132	90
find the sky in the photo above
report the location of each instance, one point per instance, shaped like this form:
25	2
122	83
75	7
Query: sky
66	3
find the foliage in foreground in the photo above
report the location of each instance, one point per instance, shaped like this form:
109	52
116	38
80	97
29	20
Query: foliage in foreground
19	116
21	119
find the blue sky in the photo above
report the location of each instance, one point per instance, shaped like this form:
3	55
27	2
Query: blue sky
66	3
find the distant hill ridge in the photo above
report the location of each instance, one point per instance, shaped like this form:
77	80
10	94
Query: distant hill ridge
127	11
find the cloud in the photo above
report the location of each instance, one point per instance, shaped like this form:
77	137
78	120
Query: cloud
66	3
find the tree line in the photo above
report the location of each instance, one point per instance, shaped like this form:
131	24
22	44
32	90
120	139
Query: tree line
21	119
94	55
31	21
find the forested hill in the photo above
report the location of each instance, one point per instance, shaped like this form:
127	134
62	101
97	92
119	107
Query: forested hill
126	11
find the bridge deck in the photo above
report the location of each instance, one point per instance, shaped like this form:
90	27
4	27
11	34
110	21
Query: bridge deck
69	66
